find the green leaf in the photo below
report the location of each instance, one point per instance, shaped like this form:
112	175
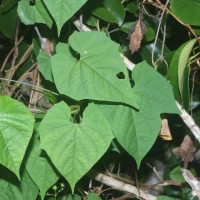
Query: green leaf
146	51
132	7
187	11
73	197
40	168
8	15
111	11
45	66
135	130
179	73
63	10
33	14
177	175
73	148
151	86
93	196
15	132
162	197
11	188
94	75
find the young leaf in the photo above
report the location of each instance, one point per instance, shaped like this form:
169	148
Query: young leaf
111	11
33	14
62	10
45	66
74	148
95	74
40	168
11	188
16	129
187	11
178	72
135	130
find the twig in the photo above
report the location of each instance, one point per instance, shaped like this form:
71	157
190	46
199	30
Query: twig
119	185
42	41
162	7
158	30
192	181
160	184
188	120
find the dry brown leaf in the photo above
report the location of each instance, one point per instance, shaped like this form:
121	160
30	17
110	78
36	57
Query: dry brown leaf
186	150
165	133
136	35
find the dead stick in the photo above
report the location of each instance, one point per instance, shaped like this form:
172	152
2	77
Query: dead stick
119	185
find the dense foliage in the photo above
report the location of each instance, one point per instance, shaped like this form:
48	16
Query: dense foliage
71	109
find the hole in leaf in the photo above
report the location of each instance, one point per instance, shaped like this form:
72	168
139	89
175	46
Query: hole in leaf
32	3
120	75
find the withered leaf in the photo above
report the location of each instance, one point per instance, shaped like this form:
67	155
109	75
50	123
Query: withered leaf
165	132
186	150
136	35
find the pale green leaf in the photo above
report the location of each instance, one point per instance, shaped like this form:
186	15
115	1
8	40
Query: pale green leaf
11	188
187	11
33	14
183	61
63	10
135	130
94	75
179	74
16	129
73	148
40	168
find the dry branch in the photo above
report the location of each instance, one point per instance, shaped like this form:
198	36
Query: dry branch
188	120
119	185
192	181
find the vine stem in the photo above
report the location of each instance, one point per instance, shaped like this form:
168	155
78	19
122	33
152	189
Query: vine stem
188	120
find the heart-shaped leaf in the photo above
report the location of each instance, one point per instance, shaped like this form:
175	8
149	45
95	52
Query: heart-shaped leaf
16	129
62	10
135	130
74	148
99	74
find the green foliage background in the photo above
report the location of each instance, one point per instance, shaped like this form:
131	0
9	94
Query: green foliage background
97	113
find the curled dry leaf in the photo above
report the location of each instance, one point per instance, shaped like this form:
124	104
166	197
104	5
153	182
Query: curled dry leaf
186	150
165	132
136	35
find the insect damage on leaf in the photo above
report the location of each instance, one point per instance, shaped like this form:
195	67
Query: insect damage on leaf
136	34
186	150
